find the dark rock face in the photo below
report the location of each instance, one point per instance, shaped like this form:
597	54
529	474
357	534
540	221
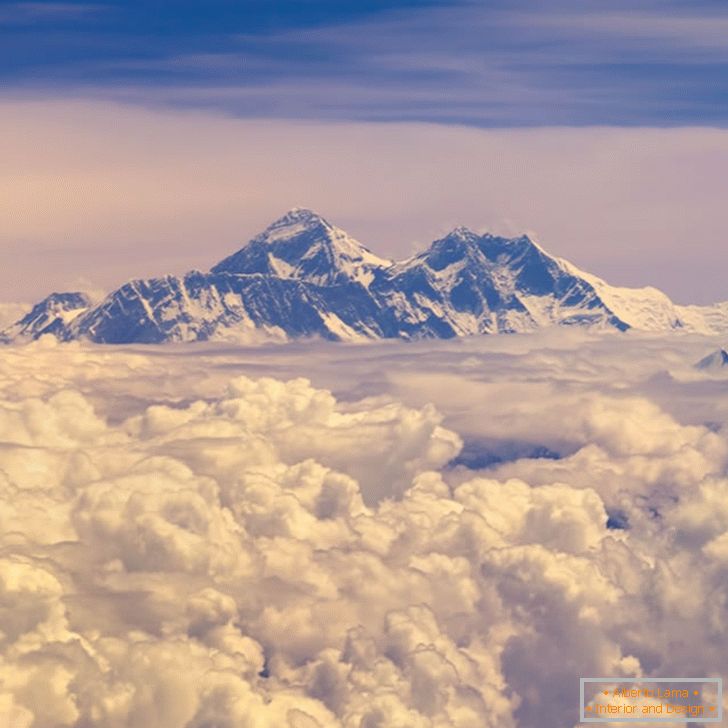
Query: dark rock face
716	361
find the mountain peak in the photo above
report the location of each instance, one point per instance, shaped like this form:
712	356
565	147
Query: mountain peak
49	316
303	245
715	361
296	222
298	216
459	245
462	232
304	276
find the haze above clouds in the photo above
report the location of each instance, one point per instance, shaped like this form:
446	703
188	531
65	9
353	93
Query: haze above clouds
187	543
94	193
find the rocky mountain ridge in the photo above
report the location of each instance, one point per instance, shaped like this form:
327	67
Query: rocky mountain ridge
304	277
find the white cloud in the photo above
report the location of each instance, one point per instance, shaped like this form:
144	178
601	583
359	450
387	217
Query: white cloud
187	543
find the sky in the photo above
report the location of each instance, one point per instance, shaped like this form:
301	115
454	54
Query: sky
495	63
149	137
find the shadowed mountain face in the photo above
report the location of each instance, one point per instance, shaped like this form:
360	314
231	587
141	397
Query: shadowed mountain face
304	277
49	316
715	362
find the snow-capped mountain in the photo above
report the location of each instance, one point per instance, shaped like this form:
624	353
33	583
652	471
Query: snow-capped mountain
303	277
303	246
715	362
467	283
52	315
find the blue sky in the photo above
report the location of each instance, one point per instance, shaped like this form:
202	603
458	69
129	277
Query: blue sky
515	63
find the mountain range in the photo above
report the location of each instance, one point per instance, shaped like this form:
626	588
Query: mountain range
304	277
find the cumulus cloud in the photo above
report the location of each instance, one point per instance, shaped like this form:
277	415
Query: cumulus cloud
189	541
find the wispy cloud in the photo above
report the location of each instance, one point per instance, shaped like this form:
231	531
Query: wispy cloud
458	62
702	33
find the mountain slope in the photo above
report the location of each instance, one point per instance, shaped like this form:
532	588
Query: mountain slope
202	306
486	284
304	277
715	362
52	315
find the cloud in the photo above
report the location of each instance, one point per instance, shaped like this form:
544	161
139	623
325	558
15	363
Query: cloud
462	62
187	542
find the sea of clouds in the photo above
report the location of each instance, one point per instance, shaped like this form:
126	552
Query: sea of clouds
430	535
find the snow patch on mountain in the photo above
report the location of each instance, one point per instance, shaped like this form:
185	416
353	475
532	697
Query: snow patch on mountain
52	315
305	246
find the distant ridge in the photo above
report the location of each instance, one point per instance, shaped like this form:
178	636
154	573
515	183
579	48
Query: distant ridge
714	362
304	277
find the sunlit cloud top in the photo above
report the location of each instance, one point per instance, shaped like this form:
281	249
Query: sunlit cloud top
485	64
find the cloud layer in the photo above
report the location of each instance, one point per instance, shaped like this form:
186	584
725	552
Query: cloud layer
447	61
186	542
